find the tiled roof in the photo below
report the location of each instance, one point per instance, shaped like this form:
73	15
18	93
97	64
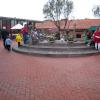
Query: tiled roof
79	24
45	24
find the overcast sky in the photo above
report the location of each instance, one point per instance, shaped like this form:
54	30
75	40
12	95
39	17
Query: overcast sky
32	9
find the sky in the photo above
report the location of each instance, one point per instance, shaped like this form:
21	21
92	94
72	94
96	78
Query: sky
83	8
33	9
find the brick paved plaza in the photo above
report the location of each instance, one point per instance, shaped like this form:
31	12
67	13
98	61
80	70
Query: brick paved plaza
24	77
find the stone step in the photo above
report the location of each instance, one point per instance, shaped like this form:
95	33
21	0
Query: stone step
57	48
55	53
61	44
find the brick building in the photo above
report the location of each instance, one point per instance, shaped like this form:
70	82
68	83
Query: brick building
78	26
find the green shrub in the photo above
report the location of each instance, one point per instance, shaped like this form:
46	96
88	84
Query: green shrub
70	38
51	39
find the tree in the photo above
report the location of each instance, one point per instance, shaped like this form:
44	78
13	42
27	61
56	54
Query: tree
57	9
96	10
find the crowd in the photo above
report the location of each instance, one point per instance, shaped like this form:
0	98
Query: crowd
29	35
25	35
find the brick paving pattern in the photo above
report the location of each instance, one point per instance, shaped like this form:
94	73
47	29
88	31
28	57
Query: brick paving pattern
24	77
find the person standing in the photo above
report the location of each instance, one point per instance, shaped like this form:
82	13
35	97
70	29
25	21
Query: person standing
19	39
25	33
96	37
30	32
85	37
4	35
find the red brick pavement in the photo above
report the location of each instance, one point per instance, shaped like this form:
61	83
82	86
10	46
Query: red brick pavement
24	77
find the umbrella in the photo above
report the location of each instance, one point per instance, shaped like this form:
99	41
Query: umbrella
18	26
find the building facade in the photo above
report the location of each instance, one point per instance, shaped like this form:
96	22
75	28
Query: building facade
9	22
76	27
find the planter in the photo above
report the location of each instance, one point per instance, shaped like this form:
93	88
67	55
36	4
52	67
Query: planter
70	42
51	41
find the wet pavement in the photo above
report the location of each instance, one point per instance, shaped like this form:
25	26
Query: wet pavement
24	77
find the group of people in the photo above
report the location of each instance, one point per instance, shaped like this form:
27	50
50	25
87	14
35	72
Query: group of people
92	39
22	35
26	34
30	35
6	39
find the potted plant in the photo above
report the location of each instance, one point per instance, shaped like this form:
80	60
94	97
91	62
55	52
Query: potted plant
51	39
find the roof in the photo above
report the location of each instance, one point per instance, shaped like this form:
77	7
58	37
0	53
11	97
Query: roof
46	24
1	17
78	24
17	26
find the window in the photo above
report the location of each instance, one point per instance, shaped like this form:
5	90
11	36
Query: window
78	35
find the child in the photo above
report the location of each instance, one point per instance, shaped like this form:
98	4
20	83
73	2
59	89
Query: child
8	43
92	43
19	39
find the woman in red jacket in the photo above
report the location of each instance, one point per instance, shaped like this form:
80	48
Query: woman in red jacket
96	36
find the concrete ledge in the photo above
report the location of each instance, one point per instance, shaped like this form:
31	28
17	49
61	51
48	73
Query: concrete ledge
57	48
61	44
55	53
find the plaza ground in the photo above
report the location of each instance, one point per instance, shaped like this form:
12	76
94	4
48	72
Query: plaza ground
24	77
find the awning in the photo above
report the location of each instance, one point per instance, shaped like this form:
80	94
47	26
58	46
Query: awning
18	26
93	28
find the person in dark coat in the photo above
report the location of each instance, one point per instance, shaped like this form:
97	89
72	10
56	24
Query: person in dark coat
4	35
